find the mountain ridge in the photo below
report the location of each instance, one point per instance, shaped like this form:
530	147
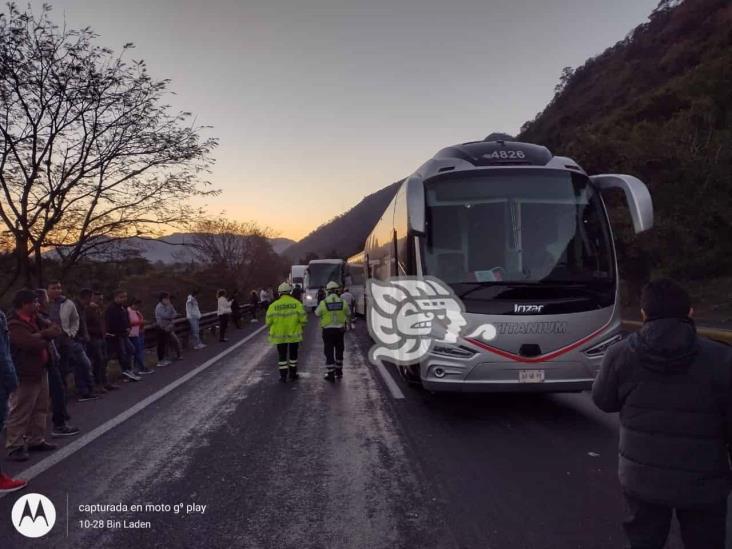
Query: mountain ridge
168	249
345	234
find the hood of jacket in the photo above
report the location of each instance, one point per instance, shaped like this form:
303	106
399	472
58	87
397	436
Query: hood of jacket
666	344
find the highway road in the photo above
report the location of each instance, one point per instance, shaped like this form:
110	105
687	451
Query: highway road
249	462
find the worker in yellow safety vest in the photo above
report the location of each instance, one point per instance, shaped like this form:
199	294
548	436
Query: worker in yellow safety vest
285	319
334	314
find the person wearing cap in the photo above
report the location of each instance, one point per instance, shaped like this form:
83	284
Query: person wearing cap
672	389
30	339
8	384
286	319
334	314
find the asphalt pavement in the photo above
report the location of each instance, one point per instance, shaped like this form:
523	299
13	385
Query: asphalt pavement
220	454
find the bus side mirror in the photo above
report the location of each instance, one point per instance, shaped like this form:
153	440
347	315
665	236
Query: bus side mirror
415	205
639	199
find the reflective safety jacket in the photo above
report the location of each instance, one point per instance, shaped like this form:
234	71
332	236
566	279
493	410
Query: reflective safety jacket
285	320
333	312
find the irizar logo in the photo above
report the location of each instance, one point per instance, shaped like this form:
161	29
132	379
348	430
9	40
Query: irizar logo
33	515
528	309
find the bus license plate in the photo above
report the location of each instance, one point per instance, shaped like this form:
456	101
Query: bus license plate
531	376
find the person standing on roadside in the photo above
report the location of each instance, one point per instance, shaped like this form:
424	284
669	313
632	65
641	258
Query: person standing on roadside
297	293
235	309
56	381
137	336
8	385
224	313
193	314
347	296
672	389
254	304
165	315
30	337
334	315
92	307
263	299
117	322
286	320
70	343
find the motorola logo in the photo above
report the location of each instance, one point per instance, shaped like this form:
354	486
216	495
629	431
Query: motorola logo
33	515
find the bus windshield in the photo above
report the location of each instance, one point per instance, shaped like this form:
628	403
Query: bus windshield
516	226
319	274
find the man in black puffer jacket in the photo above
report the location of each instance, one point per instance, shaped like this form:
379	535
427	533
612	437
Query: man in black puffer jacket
673	391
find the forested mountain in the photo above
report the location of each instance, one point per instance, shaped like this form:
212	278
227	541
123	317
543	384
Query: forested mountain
345	235
658	105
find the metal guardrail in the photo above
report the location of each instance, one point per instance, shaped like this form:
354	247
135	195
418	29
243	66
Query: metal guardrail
725	336
208	323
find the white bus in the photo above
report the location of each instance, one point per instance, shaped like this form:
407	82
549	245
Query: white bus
523	238
297	275
356	281
318	273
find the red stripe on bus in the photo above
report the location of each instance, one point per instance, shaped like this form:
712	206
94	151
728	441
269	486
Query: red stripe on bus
542	358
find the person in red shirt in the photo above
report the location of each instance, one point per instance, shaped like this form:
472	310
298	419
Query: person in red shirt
8	384
29	404
137	336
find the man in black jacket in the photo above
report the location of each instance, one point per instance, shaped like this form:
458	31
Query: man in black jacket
117	322
672	389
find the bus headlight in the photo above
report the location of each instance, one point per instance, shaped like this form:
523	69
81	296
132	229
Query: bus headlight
452	351
600	348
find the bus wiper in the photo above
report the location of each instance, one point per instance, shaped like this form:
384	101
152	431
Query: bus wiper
488	284
588	287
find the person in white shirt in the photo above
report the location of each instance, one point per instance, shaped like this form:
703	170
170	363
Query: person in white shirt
224	313
64	313
193	314
347	296
264	299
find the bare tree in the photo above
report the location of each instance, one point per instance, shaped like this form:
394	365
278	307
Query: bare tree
241	254
89	152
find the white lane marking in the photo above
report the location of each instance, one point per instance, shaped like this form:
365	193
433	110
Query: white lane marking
394	389
358	356
91	436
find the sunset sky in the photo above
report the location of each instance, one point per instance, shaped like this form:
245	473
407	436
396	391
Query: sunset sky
318	103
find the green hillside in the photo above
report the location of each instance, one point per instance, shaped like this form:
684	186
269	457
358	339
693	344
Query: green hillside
658	105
